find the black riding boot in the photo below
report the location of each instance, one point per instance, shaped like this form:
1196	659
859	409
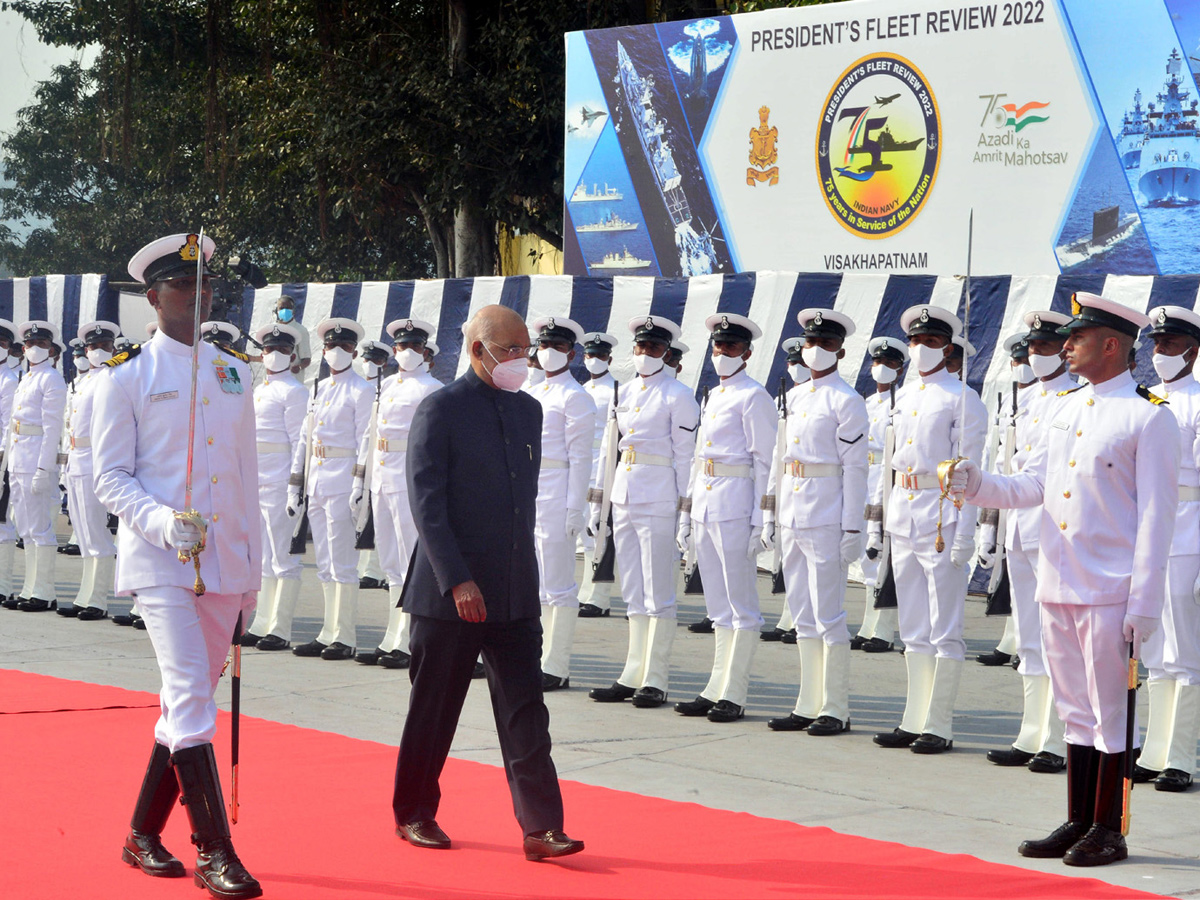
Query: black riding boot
1103	843
1082	766
143	847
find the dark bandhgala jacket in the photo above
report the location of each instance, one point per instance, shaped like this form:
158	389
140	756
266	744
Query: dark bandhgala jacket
473	458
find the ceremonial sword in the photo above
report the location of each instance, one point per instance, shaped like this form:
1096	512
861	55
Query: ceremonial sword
945	469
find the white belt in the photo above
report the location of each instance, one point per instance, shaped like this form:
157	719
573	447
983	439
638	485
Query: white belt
922	482
797	469
80	443
395	446
269	447
634	458
715	469
554	464
324	451
27	428
1187	492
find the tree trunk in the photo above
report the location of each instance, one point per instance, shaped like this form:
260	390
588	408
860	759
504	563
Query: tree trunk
438	238
474	241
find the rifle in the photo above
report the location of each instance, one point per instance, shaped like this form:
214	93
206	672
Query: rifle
999	598
691	571
885	584
777	586
604	556
364	524
300	532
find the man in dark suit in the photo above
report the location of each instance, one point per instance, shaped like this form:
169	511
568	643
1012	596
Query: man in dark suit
473	457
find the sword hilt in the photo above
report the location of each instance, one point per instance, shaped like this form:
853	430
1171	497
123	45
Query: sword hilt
193	554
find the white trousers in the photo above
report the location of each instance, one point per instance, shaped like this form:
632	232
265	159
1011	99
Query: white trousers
1181	623
931	593
34	512
1088	660
730	576
1027	619
277	527
332	527
395	534
89	517
556	563
815	581
191	638
880	623
647	564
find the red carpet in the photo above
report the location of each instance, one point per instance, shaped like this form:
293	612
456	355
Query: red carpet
316	823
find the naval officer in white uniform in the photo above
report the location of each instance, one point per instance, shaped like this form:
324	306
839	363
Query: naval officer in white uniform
596	598
9	363
140	463
1106	475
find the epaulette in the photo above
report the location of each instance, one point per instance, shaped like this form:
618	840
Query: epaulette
235	353
1144	391
124	356
1071	391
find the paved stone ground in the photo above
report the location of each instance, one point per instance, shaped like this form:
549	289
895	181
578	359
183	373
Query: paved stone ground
956	803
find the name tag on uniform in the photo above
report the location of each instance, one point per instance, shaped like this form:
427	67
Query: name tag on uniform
1065	426
227	377
622	409
165	395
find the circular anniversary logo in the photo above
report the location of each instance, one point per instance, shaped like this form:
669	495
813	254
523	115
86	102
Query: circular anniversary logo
878	145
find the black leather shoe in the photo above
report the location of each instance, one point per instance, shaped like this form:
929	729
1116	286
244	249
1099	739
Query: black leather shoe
1099	847
704	626
1047	763
312	648
1015	662
426	835
1062	839
549	845
614	693
1142	775
478	672
125	619
931	743
337	650
1174	780
91	614
554	683
1010	757
69	549
994	658
398	659
139	623
698	707
33	604
11	602
773	635
249	639
790	722
897	737
826	725
68	611
789	637
146	852
273	642
592	611
856	642
368	657
726	711
878	645
370	584
649	698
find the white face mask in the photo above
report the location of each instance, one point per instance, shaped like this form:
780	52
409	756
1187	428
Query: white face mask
595	365
818	358
534	376
1023	373
372	370
926	358
883	374
673	372
647	365
338	358
35	355
98	356
409	359
552	360
727	365
799	373
1167	367
509	375
275	361
13	361
1044	366
82	364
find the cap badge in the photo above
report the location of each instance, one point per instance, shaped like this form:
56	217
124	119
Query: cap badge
190	251
1162	317
649	322
925	315
818	319
337	329
275	330
549	323
1076	306
1037	323
724	321
408	326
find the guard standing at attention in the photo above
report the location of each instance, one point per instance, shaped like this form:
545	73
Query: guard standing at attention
596	599
8	390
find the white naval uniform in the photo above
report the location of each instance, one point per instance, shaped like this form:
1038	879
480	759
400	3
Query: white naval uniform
880	623
140	466
88	515
657	417
39	404
602	390
339	416
1106	474
8	529
280	402
931	591
1174	666
737	429
395	530
822	492
568	429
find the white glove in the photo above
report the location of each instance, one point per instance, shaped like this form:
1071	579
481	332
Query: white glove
987	557
295	502
852	546
755	545
961	554
966	479
768	536
357	492
594	519
1138	630
183	535
574	523
684	533
44	482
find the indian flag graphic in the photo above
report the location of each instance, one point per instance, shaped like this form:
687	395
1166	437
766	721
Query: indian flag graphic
1020	116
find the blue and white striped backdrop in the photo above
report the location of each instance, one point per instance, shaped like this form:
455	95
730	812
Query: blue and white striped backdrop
771	299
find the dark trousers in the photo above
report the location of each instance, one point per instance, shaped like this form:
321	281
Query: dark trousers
443	657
